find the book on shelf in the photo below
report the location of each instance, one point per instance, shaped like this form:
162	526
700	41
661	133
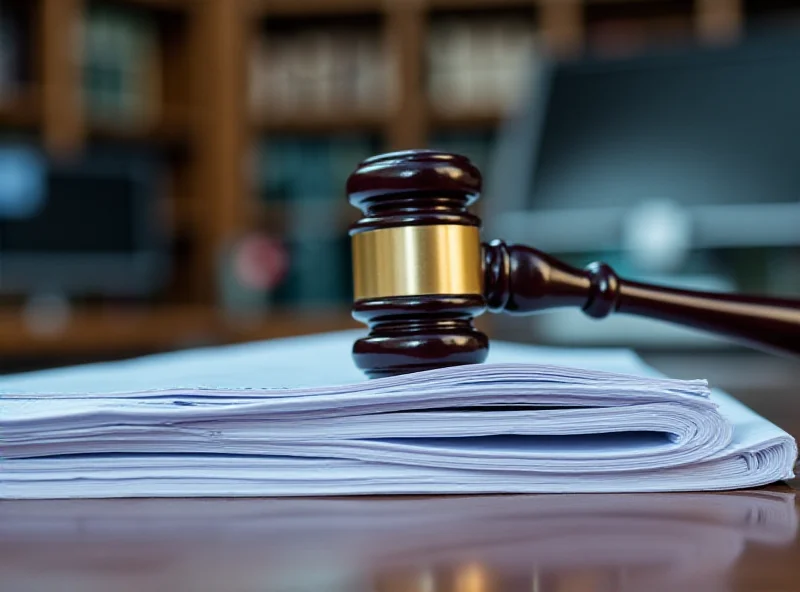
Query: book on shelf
323	71
295	417
480	64
309	166
121	65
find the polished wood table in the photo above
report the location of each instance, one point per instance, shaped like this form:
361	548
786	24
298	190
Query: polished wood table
705	542
554	543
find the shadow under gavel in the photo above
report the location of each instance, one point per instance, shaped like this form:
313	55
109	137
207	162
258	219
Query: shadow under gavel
421	275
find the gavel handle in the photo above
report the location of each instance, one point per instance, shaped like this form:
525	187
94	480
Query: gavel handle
521	280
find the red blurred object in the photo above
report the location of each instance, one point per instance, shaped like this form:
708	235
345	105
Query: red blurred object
260	262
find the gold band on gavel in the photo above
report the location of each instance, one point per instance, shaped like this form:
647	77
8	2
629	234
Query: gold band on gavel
417	260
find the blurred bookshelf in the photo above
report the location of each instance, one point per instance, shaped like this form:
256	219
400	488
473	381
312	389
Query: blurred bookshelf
258	109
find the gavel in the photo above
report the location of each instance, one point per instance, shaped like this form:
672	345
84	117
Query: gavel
421	275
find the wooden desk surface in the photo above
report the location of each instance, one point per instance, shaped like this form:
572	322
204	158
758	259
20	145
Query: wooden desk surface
569	543
553	543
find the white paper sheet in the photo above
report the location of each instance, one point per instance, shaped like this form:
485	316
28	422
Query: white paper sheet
257	419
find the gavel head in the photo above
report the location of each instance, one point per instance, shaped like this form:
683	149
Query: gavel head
417	262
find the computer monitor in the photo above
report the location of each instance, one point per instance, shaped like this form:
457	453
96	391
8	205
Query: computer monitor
86	226
678	167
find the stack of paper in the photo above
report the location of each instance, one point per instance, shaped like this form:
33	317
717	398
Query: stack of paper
294	417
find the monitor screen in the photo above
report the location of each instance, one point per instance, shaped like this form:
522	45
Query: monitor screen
85	226
79	215
697	127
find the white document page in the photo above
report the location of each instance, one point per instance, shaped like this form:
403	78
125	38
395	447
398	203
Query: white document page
259	420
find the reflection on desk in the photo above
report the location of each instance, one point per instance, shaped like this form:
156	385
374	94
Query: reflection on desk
457	544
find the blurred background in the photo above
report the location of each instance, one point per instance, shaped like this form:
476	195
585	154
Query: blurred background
172	171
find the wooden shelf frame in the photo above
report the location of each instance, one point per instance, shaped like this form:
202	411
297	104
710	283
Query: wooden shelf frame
22	111
172	129
306	8
94	331
134	330
465	120
321	123
169	5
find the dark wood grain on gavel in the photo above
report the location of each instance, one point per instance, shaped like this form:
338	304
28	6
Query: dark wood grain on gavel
521	280
422	275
